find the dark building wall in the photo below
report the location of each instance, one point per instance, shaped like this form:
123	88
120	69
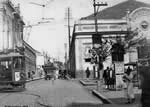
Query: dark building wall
72	59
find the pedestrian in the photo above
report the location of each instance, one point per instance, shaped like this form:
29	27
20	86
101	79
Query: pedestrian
87	72
111	80
129	69
65	74
128	79
105	77
31	74
53	77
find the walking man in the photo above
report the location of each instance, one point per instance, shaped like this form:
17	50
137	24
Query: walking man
87	72
105	76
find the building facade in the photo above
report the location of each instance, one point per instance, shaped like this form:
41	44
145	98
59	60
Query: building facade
11	24
113	22
30	60
39	64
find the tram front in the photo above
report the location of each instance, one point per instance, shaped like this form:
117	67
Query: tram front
12	72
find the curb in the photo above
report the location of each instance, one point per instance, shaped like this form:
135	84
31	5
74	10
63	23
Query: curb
34	79
101	97
86	84
20	89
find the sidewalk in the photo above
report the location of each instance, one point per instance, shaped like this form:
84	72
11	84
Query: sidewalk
35	79
114	97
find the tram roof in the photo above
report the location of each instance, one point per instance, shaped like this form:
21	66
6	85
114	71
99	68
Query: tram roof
118	11
10	55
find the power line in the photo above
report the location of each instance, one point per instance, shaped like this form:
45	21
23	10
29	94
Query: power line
43	7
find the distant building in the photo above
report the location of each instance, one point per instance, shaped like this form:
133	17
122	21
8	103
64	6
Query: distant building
39	64
112	22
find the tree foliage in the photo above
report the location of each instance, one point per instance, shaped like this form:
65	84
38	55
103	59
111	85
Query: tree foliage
101	52
135	38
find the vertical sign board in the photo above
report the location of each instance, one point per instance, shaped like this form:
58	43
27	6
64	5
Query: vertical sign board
119	71
17	76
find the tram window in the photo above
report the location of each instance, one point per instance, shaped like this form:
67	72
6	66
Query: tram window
5	65
18	63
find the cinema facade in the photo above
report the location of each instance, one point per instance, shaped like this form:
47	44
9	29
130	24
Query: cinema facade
115	21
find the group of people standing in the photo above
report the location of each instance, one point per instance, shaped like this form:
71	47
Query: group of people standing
128	78
109	78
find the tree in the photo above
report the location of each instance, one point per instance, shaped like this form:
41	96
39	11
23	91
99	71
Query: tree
100	51
134	38
117	52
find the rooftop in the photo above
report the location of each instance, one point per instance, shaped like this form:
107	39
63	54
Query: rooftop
117	11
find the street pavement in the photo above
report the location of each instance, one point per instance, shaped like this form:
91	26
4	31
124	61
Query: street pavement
64	93
24	98
42	93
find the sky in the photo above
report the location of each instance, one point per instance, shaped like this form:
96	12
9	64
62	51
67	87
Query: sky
51	37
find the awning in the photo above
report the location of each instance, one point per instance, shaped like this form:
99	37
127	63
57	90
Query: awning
131	63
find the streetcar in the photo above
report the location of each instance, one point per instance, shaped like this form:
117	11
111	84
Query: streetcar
12	71
50	71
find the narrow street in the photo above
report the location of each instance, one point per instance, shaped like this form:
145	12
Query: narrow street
99	51
42	93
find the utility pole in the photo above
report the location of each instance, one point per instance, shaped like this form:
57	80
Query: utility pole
95	13
65	46
98	38
68	17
